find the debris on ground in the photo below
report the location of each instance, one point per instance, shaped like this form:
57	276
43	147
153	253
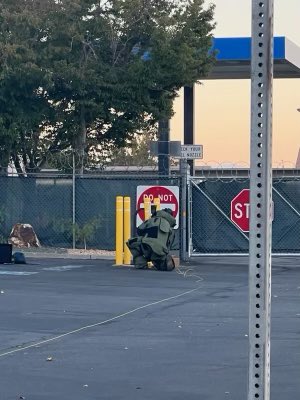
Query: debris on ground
23	235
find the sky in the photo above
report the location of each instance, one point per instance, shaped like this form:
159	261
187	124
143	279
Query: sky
222	108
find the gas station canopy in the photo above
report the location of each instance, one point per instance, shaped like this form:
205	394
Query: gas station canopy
233	57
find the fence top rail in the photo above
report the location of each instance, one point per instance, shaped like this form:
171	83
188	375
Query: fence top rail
243	174
101	176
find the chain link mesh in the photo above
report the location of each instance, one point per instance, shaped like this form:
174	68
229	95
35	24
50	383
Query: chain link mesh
214	232
46	203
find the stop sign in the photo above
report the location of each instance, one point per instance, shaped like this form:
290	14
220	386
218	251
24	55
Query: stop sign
239	211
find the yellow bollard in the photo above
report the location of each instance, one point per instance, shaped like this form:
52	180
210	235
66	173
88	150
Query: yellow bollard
127	230
156	202
119	230
147	208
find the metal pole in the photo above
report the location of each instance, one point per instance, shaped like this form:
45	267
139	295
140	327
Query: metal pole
119	230
127	229
147	208
188	120
156	203
190	213
74	201
164	147
260	200
184	167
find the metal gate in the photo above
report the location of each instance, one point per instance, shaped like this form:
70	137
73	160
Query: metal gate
211	231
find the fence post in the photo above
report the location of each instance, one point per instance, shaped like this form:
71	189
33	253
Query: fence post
73	200
127	230
119	230
189	214
184	172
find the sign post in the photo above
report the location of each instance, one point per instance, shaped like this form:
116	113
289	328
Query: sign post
189	120
260	233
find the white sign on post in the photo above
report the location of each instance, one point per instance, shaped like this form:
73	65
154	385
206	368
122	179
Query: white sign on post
168	196
189	151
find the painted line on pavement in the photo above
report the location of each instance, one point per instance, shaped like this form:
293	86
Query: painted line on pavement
17	273
63	268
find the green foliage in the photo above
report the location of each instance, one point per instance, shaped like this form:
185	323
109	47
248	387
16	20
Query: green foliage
87	75
86	231
136	152
83	232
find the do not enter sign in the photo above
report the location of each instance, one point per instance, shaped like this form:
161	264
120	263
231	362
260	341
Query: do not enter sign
168	196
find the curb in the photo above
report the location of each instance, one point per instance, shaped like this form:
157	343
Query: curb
69	256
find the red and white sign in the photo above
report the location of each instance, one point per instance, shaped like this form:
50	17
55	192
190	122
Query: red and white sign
240	210
168	196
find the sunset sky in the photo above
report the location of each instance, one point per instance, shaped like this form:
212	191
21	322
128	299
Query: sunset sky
223	107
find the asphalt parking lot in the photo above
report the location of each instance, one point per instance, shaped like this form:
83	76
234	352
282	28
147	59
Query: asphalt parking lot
82	329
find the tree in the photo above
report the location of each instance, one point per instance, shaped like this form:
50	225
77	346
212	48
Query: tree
23	108
96	73
135	153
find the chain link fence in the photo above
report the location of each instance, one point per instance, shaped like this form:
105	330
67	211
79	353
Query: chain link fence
71	212
213	232
79	211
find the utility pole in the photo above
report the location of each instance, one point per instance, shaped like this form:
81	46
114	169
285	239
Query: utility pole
189	137
164	147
